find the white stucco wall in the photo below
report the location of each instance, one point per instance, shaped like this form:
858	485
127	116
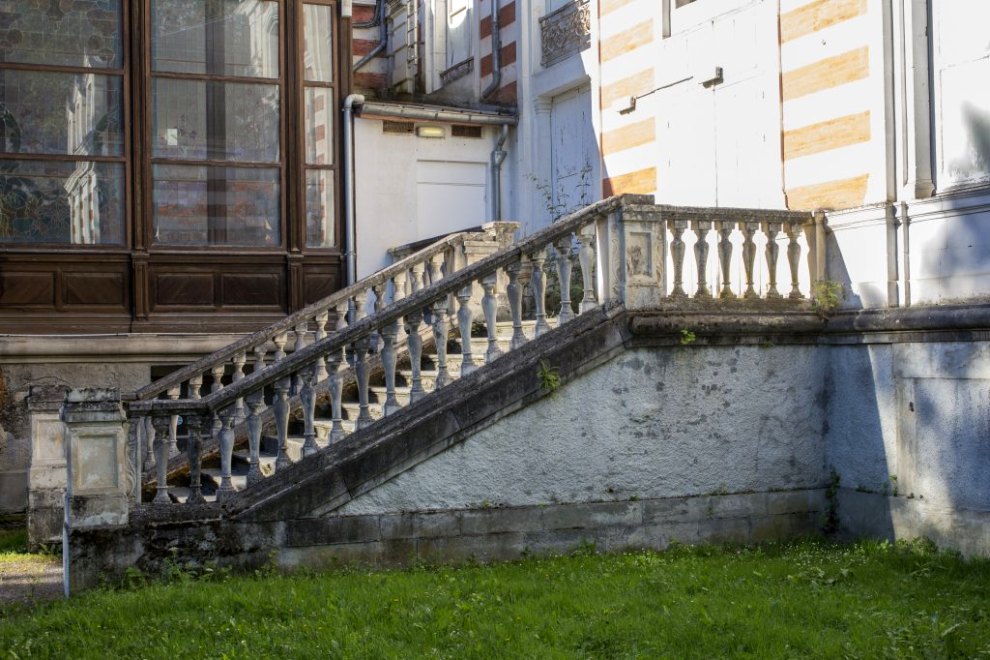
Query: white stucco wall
409	188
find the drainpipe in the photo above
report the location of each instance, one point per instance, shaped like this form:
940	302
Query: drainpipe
350	243
379	20
496	55
498	157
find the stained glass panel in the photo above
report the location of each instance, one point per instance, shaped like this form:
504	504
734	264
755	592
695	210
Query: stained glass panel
318	35
61	32
319	126
320	225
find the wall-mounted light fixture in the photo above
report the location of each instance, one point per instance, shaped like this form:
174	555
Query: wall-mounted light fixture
431	132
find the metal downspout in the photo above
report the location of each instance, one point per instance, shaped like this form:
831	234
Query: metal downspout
496	54
380	21
498	157
349	226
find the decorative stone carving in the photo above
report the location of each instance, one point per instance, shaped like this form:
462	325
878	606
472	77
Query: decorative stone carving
565	31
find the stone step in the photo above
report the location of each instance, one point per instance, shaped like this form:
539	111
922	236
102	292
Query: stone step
180	495
239	481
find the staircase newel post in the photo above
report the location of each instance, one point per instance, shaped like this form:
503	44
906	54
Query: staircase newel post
173	424
388	363
586	257
440	330
196	427
307	397
161	423
489	304
464	320
227	418
335	389
564	268
256	405
701	228
539	287
513	292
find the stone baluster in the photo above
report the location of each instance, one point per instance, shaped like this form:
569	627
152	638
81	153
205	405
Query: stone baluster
701	228
341	310
240	359
228	418
564	268
335	387
376	338
160	424
307	399
749	257
677	228
362	373
173	423
514	294
217	372
794	258
388	364
436	267
321	333
440	329
301	330
398	293
415	341
464	320
725	257
256	405
771	251
149	443
586	257
195	427
539	287
280	407
489	305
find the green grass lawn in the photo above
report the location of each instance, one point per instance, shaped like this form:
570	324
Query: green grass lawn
811	599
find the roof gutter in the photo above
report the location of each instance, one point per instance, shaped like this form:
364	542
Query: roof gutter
405	112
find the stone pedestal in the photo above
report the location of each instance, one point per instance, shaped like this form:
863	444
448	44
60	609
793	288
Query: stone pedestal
98	477
634	259
47	474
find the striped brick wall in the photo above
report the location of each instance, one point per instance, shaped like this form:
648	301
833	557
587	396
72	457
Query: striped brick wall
373	76
626	50
827	91
509	34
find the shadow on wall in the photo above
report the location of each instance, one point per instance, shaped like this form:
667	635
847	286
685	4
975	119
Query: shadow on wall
956	251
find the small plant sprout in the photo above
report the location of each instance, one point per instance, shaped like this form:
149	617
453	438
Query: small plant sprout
687	337
549	378
826	297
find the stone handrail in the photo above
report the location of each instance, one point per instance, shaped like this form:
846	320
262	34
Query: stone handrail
622	245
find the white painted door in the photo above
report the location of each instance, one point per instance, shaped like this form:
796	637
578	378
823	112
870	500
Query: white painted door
574	158
719	143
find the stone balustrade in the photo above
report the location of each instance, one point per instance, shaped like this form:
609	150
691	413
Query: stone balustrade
629	252
261	349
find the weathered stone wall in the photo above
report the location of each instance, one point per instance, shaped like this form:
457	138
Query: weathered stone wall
648	424
910	423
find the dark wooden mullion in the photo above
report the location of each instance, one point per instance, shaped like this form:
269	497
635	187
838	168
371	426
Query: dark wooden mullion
164	160
216	124
295	134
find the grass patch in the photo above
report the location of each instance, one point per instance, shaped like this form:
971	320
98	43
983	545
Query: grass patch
13	540
810	599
